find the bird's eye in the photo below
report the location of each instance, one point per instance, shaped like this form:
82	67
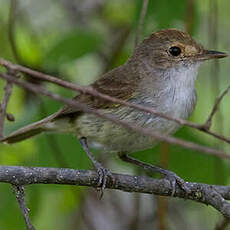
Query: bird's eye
175	50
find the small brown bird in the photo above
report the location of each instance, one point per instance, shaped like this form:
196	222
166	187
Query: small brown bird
161	74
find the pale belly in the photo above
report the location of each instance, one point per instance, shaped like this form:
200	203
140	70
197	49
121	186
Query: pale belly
109	137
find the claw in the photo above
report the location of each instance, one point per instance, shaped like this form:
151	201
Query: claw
170	176
174	179
103	174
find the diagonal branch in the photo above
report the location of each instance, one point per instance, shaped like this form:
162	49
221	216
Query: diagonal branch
213	195
20	193
215	107
91	91
186	144
141	21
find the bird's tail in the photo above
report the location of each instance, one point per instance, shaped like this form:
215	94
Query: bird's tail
28	131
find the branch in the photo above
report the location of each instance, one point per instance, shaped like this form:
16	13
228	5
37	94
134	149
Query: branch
3	106
9	86
83	107
116	48
141	21
189	16
215	80
213	195
93	92
11	30
215	107
20	193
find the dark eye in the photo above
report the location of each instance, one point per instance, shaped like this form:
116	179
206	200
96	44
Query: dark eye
175	50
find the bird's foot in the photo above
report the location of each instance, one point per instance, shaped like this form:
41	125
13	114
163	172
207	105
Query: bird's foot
103	174
170	176
174	179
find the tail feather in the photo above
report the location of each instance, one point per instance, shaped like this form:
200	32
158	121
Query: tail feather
27	131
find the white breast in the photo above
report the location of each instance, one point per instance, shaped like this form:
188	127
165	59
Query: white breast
183	91
174	95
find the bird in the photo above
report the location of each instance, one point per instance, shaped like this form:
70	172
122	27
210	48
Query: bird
161	74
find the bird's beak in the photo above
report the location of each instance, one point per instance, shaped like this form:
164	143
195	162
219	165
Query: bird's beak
211	54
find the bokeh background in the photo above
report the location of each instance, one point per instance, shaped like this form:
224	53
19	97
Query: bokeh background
79	40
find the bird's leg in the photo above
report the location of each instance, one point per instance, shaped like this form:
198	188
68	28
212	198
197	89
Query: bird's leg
171	176
103	173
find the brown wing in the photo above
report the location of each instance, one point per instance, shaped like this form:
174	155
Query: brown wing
115	83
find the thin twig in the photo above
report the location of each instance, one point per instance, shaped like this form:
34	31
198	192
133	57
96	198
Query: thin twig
116	48
215	84
213	195
83	107
11	30
141	22
20	193
215	107
213	39
3	106
9	86
91	91
189	15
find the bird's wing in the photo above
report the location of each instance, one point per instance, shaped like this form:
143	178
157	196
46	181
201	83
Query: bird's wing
114	83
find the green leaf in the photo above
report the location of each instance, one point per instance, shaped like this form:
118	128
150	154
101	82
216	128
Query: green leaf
119	14
70	47
28	47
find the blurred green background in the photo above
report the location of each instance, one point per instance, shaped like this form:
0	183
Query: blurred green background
78	41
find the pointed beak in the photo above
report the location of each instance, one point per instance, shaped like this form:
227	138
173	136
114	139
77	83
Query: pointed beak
211	54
